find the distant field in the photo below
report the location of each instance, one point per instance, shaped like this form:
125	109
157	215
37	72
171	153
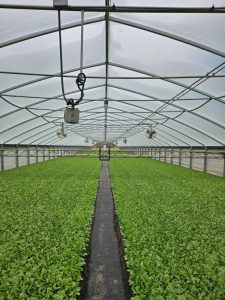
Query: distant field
45	216
173	223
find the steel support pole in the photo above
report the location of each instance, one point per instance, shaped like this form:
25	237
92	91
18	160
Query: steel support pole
44	153
36	150
205	160
159	153
171	153
180	156
17	157
165	154
49	152
224	165
191	157
2	159
28	155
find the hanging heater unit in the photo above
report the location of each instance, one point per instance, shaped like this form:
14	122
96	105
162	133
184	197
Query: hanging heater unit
60	3
71	115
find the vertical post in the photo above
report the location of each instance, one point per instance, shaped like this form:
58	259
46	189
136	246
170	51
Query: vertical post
53	152
151	152
171	153
99	152
205	160
2	159
43	153
28	154
17	157
191	157
36	154
180	156
49	152
159	153
223	164
165	154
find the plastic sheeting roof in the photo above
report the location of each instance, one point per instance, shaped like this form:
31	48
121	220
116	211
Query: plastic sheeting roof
165	69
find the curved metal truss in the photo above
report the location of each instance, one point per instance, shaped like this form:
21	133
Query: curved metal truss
184	103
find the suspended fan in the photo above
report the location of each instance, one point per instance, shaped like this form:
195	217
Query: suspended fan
124	140
86	140
61	132
151	132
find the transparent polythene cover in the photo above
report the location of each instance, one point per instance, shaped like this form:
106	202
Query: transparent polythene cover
165	70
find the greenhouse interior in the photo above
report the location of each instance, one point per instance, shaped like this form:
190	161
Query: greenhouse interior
112	149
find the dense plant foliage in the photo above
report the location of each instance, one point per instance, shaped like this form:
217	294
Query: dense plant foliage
45	217
173	223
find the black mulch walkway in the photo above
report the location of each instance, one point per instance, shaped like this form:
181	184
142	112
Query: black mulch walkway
105	277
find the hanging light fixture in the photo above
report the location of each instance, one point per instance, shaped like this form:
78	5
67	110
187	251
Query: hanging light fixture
151	132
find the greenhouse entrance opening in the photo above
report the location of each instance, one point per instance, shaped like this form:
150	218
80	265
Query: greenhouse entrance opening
104	153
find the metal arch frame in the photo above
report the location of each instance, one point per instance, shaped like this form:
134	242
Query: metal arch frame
174	137
184	134
170	81
49	77
169	118
170	104
42	115
29	130
167	138
180	107
50	30
43	101
30	137
161	124
121	111
166	34
52	132
154	140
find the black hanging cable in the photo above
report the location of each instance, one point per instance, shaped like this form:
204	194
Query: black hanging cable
80	81
68	101
81	78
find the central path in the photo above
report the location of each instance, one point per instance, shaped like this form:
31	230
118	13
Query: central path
105	278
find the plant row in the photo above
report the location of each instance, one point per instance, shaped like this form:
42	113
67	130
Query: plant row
172	221
45	217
